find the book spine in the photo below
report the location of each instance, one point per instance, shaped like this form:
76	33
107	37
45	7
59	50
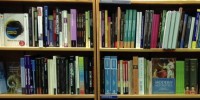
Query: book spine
187	77
40	26
36	28
193	76
63	75
73	28
81	75
196	27
23	75
135	75
58	27
107	74
141	75
30	26
180	77
86	75
67	76
46	30
77	75
114	78
50	31
33	76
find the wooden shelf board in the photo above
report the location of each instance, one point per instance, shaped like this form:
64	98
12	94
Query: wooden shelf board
78	1
46	96
46	49
147	50
165	1
158	96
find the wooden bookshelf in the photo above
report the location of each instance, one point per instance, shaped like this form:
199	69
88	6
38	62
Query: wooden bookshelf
165	2
79	1
46	49
37	96
160	96
148	50
116	51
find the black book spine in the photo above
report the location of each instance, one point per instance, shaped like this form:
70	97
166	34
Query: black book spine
72	74
145	40
42	75
58	74
30	27
91	30
102	77
86	75
45	76
63	73
67	75
91	76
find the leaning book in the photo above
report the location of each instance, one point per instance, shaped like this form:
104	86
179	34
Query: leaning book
163	75
16	29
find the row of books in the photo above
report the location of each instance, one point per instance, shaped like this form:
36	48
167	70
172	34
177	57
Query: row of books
131	28
42	75
42	28
143	76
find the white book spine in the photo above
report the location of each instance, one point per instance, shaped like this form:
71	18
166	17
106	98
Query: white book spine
26	30
54	74
191	33
171	31
64	28
176	28
77	85
49	77
166	30
1	30
40	26
141	74
137	31
89	33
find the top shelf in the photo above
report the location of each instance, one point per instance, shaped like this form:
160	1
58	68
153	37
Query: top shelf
72	1
147	50
164	1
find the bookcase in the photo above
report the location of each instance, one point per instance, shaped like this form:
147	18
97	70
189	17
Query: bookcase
14	53
128	52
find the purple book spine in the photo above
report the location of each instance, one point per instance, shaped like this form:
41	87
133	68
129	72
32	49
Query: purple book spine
27	67
73	27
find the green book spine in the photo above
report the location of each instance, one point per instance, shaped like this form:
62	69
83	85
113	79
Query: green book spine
193	76
180	86
130	17
163	27
134	23
126	29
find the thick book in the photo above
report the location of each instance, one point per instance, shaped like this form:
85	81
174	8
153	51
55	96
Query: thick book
180	86
16	32
163	76
73	28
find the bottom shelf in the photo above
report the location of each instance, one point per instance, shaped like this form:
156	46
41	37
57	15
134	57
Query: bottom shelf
152	96
89	96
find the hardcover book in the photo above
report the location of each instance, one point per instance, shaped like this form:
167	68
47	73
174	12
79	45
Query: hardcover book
163	76
13	77
16	29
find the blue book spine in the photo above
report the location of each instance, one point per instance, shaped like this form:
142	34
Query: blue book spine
107	74
114	78
50	36
3	86
33	76
196	27
23	79
46	41
163	86
28	76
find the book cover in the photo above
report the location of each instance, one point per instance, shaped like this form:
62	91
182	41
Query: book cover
3	88
16	29
163	76
13	77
